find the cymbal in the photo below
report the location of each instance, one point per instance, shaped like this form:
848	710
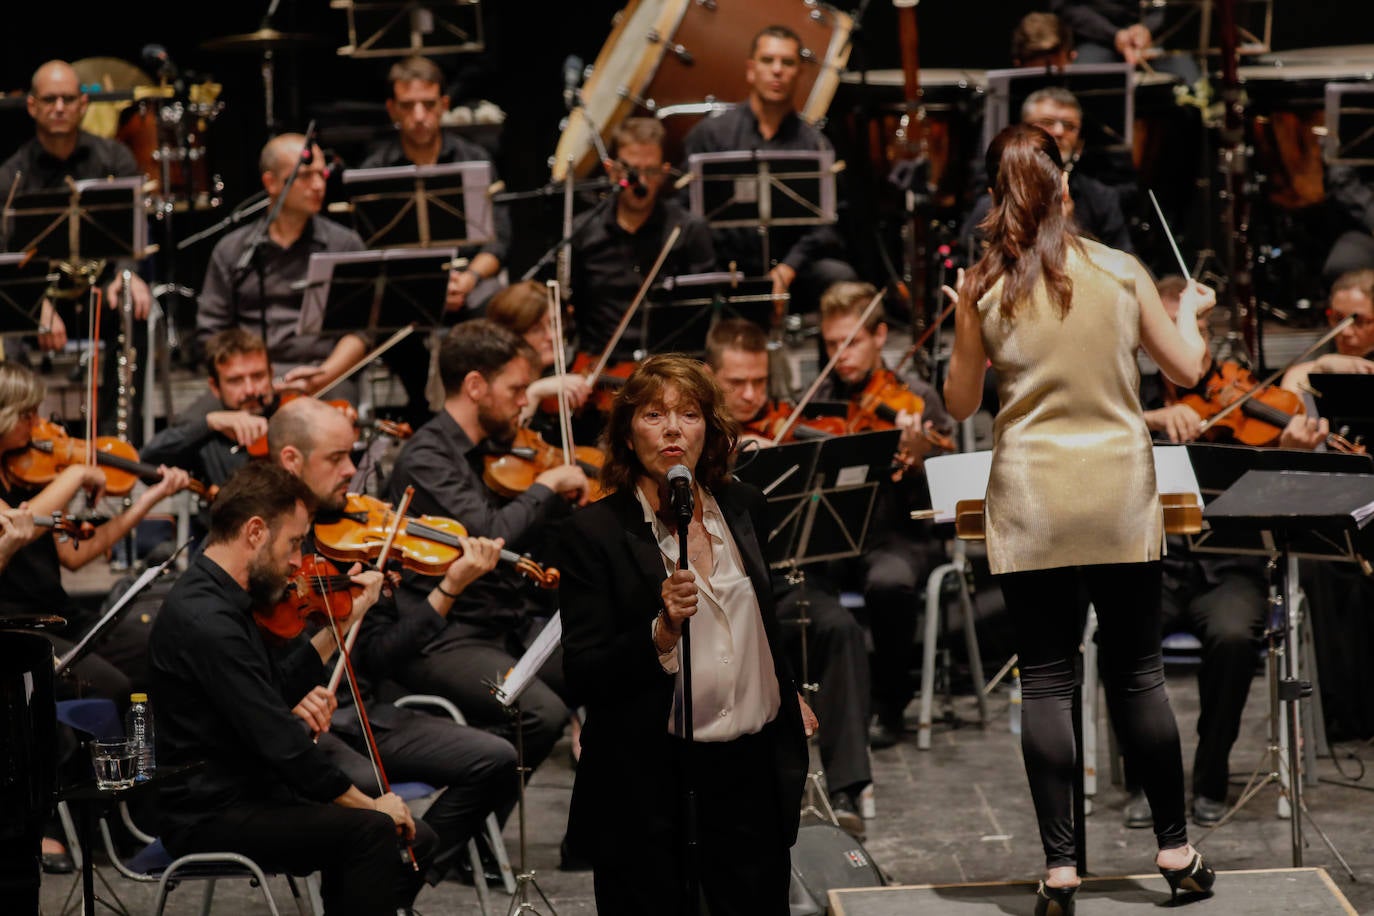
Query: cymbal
116	79
261	40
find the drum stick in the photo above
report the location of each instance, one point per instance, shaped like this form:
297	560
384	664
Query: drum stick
1182	267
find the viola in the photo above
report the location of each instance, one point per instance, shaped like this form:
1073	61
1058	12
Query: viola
774	416
1262	416
51	450
258	447
427	544
513	471
315	591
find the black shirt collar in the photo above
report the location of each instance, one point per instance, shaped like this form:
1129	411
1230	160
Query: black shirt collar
787	128
234	593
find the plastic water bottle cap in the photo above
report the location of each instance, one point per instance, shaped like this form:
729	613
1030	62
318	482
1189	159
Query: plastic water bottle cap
138	698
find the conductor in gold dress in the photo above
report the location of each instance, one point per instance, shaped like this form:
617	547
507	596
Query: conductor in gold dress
1072	501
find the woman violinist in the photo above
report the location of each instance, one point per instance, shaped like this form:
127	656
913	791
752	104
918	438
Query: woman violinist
1072	498
524	308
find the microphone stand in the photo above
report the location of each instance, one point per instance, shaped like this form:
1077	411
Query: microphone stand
684	521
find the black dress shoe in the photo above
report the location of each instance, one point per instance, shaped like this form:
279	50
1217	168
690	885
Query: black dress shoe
847	814
58	863
1137	811
1207	812
883	734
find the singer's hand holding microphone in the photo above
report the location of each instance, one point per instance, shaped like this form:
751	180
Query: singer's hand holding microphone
679	593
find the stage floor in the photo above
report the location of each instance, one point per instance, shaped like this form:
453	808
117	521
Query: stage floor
1238	893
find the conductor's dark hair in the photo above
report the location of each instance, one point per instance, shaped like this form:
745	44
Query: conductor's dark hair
480	346
259	489
1029	233
644	388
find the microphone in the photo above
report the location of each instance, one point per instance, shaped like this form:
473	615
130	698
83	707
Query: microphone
572	78
632	182
156	55
680	494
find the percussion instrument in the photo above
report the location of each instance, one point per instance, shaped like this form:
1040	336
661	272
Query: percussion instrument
680	59
953	104
100	77
170	138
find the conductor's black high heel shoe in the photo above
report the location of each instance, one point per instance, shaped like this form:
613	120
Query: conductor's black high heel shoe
1197	877
1054	901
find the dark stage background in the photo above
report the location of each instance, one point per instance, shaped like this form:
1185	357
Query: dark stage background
521	70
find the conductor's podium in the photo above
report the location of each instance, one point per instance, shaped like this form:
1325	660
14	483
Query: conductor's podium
1252	893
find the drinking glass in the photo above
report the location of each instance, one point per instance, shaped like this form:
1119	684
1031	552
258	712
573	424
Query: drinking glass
114	763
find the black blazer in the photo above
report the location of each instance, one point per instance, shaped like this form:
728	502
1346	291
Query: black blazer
612	572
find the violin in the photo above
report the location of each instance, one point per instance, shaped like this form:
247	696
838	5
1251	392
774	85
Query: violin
316	591
66	526
258	447
51	449
604	386
775	414
1262	416
427	544
513	471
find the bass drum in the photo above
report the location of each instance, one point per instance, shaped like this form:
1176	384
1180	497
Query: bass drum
681	59
171	141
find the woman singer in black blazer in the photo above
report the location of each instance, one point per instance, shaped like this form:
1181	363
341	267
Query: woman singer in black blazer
622	608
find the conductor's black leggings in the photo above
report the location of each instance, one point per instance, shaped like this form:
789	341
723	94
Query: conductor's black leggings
1047	611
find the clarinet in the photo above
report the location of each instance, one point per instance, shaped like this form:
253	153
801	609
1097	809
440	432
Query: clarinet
126	359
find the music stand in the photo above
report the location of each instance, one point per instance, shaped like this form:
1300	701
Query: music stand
1106	93
682	309
374	290
1284	508
1192	27
422	205
1347	400
1349	124
23	282
760	189
399	28
99	218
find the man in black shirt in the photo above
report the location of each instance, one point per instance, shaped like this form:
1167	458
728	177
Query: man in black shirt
61	150
265	790
485	370
810	257
265	296
1110	31
417	106
210	438
612	254
476	770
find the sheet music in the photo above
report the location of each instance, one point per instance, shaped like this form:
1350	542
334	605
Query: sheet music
527	669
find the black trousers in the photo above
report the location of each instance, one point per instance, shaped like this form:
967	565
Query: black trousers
838	664
743	867
458	670
1048	614
476	770
356	852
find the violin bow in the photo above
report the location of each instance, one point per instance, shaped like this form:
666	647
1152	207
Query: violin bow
387	344
629	315
560	368
830	366
1275	375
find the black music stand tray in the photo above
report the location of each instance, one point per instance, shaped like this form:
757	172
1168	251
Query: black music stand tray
1106	93
99	218
23	282
681	310
422	206
760	189
399	28
1323	512
375	290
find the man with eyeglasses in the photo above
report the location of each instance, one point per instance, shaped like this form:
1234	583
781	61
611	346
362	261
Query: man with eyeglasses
60	150
266	296
416	107
612	254
1352	296
1095	206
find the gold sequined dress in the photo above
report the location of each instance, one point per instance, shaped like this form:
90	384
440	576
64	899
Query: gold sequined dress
1073	479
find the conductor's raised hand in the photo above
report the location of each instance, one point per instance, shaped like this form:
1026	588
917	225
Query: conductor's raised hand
1197	299
679	593
953	291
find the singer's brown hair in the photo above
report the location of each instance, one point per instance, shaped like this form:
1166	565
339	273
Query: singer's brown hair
645	387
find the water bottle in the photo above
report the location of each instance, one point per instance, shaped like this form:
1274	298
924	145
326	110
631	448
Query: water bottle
138	727
1015	705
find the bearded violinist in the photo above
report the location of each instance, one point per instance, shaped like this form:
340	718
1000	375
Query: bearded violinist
1218	599
899	553
313	441
266	790
737	355
485	370
211	436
